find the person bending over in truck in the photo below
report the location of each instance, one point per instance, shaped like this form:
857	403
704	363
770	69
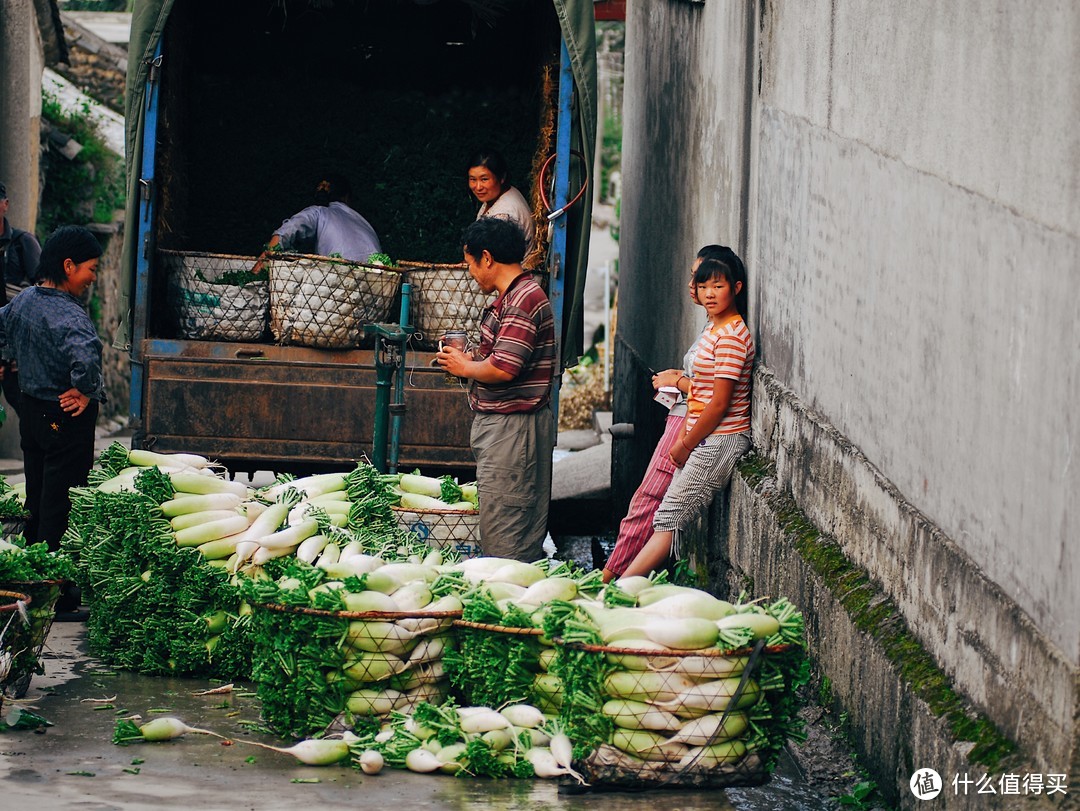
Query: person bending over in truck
46	330
489	181
513	430
332	226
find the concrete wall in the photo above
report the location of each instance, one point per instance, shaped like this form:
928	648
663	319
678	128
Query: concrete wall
909	179
917	247
21	64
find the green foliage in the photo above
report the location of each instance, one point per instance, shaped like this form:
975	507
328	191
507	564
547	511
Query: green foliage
234	278
33	562
11	505
492	668
381	259
87	188
149	597
860	797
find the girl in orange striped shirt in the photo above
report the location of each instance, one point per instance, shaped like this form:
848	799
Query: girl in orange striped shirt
717	426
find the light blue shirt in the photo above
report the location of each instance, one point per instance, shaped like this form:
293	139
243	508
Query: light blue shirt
336	229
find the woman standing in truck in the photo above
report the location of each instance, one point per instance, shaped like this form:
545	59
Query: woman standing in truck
489	181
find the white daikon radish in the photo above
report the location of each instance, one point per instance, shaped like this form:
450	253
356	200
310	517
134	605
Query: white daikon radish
479	722
371	761
522	715
688	633
708	729
639	715
698	604
422	761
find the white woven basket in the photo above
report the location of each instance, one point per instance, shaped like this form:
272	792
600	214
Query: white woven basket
444	298
206	309
324	302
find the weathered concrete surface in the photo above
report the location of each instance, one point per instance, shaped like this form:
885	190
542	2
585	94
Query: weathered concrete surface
981	638
931	359
907	177
685	135
894	729
22	60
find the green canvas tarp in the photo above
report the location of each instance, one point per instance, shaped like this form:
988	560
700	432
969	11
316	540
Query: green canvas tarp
149	18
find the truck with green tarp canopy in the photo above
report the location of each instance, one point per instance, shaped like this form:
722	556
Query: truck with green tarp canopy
232	111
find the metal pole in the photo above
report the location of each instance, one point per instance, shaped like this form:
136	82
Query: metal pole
383	373
607	322
397	410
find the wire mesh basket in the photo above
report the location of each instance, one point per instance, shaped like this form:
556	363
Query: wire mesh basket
667	719
326	302
443	528
352	664
444	298
43	595
12	525
15	632
213	296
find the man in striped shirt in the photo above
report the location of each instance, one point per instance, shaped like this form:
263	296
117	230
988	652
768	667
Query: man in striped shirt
511	370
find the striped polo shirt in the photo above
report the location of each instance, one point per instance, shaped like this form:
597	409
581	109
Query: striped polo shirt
724	352
517	334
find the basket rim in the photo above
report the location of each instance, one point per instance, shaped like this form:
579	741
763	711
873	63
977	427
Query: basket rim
57	582
336	260
415	266
18	597
170	252
714	653
502	629
435	512
359	615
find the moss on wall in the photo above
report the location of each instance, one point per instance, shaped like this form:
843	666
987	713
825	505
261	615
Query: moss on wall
875	614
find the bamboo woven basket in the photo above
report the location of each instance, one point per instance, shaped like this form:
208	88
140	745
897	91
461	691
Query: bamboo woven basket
611	767
203	307
326	302
444	298
326	700
439	529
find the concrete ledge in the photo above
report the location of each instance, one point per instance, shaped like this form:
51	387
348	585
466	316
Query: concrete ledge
583	474
980	638
894	730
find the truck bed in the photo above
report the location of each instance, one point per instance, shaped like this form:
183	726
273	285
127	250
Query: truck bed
228	401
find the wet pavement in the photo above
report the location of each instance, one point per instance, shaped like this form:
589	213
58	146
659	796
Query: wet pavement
75	765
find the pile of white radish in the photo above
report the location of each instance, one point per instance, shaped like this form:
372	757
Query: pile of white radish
517	740
427	494
229	523
397	632
671	689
